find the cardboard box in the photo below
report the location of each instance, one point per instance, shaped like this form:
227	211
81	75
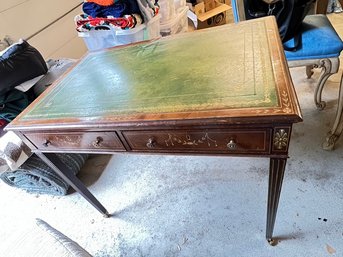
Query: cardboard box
210	13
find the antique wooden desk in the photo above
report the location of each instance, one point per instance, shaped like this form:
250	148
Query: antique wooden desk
223	91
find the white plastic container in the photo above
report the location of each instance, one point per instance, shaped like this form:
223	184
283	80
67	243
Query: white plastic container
177	25
179	4
167	10
100	39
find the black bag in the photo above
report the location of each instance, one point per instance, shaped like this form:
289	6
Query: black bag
20	62
289	15
12	103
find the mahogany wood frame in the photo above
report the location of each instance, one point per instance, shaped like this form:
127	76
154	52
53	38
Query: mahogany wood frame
261	132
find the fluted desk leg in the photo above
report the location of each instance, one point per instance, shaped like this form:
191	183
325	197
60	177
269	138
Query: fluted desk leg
276	173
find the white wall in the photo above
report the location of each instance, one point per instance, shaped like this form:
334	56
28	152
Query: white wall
23	18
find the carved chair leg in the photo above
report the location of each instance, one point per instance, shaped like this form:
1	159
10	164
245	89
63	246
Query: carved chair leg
309	71
329	66
337	127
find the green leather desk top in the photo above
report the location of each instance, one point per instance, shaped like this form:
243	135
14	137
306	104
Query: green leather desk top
232	67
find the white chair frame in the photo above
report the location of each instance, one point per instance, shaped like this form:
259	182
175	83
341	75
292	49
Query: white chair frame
329	66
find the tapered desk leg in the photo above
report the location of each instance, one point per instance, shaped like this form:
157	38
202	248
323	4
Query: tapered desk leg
276	173
62	170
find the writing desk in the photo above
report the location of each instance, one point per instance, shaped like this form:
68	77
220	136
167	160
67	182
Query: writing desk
222	91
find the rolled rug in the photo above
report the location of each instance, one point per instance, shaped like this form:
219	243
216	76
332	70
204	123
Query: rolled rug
34	176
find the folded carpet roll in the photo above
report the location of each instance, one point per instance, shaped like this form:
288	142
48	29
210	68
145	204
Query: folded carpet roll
35	176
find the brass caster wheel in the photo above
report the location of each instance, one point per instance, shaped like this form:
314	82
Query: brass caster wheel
272	242
106	215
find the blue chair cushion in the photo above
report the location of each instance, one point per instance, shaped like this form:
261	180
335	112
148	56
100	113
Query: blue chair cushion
235	11
319	40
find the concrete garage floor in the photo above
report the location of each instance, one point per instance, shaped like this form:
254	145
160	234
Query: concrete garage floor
203	206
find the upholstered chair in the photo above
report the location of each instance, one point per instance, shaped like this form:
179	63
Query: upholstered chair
320	48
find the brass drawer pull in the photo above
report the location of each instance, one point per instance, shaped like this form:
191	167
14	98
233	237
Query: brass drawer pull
97	142
151	143
231	145
46	143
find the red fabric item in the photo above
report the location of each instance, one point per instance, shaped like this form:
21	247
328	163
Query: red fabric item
117	22
101	2
3	122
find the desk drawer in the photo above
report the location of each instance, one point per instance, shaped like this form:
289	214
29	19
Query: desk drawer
76	141
211	141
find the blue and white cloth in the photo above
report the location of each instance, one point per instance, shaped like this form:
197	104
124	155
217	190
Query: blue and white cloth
334	6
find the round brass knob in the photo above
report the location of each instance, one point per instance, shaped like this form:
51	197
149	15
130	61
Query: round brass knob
97	142
231	145
46	143
151	143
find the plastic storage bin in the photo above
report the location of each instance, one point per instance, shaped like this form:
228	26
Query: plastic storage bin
169	9
179	4
100	39
177	25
